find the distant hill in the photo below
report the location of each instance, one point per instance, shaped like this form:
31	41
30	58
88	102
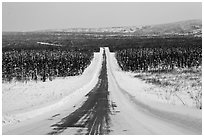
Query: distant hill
182	28
190	27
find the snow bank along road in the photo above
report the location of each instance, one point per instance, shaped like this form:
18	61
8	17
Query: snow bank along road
108	108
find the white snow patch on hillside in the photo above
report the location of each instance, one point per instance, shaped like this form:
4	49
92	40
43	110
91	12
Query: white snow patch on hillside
45	43
22	101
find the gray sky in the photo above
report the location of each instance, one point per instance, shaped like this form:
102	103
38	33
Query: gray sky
38	16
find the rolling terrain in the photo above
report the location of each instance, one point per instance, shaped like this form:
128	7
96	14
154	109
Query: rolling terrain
130	80
181	28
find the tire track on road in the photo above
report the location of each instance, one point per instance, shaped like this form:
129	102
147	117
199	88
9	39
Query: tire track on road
93	115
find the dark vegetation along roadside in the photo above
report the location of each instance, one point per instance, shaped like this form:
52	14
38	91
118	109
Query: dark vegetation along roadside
46	55
28	65
159	59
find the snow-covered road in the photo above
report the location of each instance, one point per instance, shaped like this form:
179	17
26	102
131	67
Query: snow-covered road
109	108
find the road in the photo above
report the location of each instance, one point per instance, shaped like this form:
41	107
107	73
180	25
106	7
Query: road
109	109
94	113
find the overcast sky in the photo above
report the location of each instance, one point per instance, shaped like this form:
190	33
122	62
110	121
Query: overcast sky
39	16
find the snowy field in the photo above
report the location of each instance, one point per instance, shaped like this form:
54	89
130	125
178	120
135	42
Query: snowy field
154	96
22	101
33	107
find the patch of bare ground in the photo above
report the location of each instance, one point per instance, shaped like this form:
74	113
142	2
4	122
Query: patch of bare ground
181	86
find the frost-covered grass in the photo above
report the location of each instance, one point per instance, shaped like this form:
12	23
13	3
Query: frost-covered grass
184	84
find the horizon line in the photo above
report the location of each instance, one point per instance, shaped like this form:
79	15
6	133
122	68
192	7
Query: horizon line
54	29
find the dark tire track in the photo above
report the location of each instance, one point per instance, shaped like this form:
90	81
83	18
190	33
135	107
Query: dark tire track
93	115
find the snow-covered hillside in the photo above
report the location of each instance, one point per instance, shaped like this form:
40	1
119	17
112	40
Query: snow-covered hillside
181	28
